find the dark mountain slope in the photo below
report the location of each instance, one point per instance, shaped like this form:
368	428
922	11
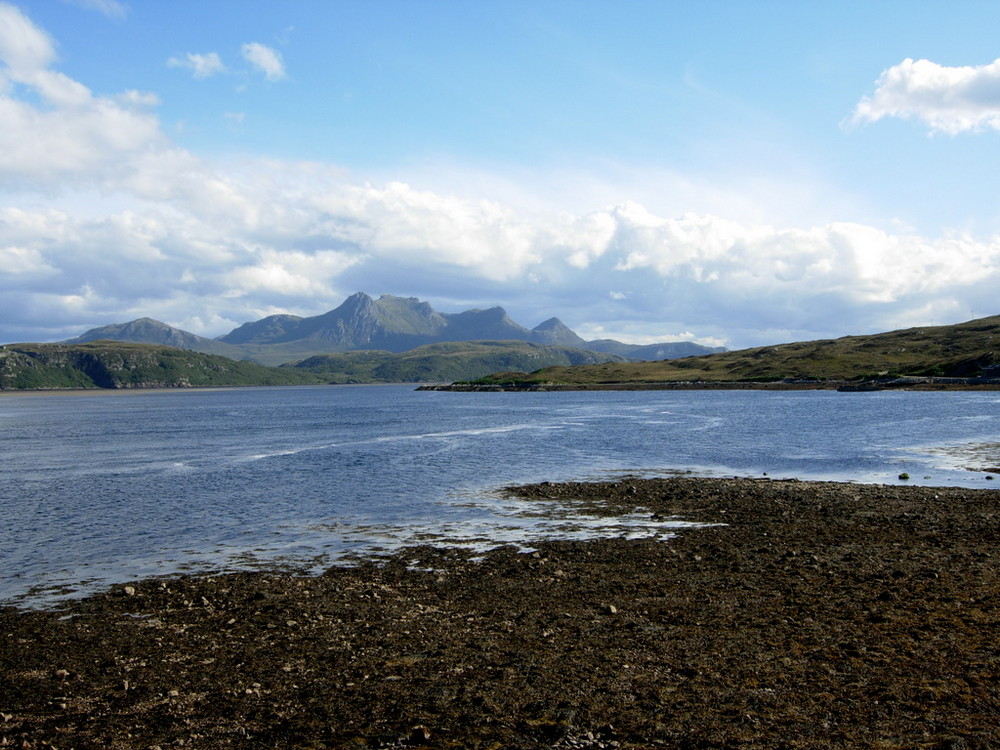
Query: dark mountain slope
443	362
271	328
393	324
149	331
116	364
555	333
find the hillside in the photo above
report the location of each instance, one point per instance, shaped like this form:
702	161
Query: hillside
115	365
361	323
149	331
442	362
956	351
394	324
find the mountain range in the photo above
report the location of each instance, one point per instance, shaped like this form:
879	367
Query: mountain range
389	323
963	355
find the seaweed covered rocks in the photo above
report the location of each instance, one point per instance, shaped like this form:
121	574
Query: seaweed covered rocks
806	615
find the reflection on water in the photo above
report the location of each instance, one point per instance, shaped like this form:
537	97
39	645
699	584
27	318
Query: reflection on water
971	456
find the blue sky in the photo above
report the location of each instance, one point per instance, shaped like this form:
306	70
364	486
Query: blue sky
727	172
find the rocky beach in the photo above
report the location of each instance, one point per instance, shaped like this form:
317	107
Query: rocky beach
803	615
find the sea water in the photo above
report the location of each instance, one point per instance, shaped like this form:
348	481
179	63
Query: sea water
101	488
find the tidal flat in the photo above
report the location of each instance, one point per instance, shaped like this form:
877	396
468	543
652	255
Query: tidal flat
804	615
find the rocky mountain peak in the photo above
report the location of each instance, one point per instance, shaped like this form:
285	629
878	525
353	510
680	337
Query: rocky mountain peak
390	323
554	332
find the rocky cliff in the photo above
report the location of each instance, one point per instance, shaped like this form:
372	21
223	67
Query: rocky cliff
117	365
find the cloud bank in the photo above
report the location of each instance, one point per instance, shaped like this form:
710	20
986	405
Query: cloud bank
104	219
947	99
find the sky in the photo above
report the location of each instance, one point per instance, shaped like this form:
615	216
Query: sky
729	173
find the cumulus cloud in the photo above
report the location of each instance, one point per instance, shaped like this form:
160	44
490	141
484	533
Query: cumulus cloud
24	48
103	219
201	66
290	274
948	99
68	132
265	59
226	247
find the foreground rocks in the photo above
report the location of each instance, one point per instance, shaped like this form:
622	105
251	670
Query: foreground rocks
814	615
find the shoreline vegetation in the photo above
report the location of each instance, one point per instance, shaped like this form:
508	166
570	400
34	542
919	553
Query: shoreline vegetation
804	615
898	384
954	357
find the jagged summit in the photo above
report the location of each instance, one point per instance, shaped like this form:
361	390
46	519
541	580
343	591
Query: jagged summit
389	323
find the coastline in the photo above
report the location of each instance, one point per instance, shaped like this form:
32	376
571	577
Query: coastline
908	384
811	615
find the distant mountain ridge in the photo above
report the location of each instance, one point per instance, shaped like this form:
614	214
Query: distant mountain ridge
149	331
396	324
361	323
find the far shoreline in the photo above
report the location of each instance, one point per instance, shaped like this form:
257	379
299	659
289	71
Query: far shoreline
827	385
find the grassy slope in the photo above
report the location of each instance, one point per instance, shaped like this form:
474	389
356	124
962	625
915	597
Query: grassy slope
115	364
448	361
957	351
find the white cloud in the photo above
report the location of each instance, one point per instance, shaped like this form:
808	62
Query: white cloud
201	66
24	48
112	221
16	260
220	246
399	222
70	133
290	273
110	8
948	99
265	59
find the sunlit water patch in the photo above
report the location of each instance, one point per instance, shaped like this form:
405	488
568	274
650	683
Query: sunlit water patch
106	487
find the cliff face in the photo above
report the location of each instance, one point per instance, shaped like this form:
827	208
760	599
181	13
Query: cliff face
117	365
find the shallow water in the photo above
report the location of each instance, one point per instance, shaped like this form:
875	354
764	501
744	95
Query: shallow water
98	488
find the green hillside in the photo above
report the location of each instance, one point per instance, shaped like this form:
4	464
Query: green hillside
959	351
114	364
460	360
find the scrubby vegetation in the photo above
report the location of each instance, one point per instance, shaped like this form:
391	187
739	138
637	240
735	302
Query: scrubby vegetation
960	351
444	362
115	364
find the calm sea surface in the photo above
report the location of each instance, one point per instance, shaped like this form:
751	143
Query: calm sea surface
99	488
